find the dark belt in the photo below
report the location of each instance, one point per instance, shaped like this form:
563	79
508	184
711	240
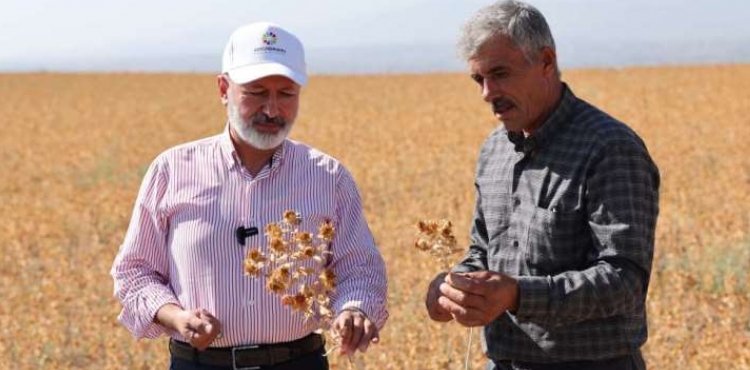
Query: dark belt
247	357
618	363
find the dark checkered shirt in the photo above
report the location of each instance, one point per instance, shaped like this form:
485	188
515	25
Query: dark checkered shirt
570	212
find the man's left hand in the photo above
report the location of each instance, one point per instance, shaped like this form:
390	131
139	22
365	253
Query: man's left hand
478	298
356	331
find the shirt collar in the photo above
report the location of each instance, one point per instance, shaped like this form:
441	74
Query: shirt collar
551	126
232	158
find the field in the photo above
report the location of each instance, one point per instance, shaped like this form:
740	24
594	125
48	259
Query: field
74	148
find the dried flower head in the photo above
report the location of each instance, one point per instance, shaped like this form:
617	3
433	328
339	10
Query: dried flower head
255	255
296	257
273	230
305	253
253	263
444	228
427	227
436	237
253	268
278	245
328	279
304	239
287	300
292	217
301	302
283	272
326	231
422	244
276	286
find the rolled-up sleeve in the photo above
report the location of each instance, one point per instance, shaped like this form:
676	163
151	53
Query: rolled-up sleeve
140	270
357	263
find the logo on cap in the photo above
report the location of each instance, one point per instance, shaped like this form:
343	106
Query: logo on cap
270	38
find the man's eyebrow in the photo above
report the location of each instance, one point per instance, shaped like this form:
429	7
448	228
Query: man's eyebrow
497	68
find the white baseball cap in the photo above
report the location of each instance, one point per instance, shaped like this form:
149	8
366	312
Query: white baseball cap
264	49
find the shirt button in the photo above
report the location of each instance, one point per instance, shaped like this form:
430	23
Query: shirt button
517	202
515	243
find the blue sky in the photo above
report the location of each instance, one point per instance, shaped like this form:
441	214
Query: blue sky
357	36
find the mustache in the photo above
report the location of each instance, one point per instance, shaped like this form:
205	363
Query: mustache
262	118
501	104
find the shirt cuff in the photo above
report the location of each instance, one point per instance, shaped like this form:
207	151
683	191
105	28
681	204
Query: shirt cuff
468	266
462	268
533	298
140	318
374	312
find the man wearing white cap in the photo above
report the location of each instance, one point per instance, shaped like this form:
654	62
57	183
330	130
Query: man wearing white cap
179	271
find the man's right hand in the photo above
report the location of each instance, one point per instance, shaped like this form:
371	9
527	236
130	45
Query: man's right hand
436	312
199	327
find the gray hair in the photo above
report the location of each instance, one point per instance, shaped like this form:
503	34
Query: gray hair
522	23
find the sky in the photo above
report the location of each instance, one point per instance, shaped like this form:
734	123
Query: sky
346	36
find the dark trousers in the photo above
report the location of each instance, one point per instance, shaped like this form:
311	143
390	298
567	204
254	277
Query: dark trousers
312	361
630	362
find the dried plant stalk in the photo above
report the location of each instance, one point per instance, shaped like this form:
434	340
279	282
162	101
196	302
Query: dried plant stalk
436	238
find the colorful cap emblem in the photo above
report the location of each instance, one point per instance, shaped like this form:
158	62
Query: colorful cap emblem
261	49
269	38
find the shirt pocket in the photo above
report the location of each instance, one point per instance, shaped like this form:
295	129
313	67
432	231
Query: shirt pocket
558	240
496	211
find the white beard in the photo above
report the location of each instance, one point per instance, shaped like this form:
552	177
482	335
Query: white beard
248	133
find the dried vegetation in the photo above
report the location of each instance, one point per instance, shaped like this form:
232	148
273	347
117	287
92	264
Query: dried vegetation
74	148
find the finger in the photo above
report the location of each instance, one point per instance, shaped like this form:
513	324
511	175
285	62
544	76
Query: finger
197	325
358	331
344	329
469	323
376	336
369	334
439	314
205	315
197	341
463	314
202	341
200	336
465	283
440	278
347	341
189	335
463	298
451	307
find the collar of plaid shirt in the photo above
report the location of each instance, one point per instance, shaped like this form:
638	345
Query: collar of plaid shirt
552	125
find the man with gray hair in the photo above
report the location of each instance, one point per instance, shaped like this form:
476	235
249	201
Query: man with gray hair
562	239
201	209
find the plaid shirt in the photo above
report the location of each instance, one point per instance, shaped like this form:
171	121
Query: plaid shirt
570	212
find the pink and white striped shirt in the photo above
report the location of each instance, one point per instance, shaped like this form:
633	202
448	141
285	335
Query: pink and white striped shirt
181	248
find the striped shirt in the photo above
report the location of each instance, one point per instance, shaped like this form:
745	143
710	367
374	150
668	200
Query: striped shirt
569	212
181	247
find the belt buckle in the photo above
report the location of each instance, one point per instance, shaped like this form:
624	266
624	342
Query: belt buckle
234	358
